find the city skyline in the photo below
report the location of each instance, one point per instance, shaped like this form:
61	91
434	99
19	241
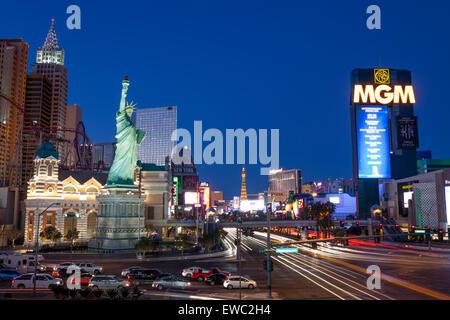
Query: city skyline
165	75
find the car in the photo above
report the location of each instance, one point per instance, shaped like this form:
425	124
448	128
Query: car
90	267
85	279
105	282
189	271
62	273
203	274
125	272
3	266
233	282
216	279
8	274
141	276
62	265
170	282
42	281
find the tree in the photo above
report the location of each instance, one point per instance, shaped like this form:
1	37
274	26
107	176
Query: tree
51	233
72	235
321	213
13	235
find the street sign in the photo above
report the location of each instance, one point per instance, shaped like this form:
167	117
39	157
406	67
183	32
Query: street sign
286	250
420	231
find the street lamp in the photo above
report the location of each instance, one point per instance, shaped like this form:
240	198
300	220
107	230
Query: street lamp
36	245
139	164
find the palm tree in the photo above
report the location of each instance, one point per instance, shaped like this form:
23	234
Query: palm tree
321	212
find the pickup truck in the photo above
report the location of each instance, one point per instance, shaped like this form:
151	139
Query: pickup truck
200	276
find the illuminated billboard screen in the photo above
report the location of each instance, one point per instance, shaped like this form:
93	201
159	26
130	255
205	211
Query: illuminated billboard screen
447	203
252	205
191	198
373	142
206	196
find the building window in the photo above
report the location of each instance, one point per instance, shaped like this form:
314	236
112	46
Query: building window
150	213
50	170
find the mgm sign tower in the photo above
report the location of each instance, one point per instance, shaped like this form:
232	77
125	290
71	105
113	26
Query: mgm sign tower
384	131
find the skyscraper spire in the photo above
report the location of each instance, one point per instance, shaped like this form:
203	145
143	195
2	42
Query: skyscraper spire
51	41
50	52
243	187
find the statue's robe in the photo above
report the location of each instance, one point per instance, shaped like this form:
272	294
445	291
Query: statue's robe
125	159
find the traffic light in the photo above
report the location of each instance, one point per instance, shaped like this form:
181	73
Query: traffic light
441	235
270	265
397	226
413	227
357	223
342	223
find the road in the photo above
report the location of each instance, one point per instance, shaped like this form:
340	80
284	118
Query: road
330	272
334	272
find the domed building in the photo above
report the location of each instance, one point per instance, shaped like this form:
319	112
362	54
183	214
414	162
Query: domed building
71	196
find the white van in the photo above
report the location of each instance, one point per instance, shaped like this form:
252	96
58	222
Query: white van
21	262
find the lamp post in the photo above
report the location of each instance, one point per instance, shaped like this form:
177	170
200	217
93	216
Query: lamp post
139	195
239	236
269	285
36	245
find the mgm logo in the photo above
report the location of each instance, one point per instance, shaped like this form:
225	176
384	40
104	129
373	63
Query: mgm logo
381	76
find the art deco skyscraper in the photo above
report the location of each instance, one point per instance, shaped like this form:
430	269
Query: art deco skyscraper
13	75
50	62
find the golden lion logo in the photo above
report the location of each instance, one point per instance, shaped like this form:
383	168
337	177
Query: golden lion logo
381	76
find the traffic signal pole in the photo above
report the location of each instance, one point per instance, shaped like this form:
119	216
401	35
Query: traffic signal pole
269	267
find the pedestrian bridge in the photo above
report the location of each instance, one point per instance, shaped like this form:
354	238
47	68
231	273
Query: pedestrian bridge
286	223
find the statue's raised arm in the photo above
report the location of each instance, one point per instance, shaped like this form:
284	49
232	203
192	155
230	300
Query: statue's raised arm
125	85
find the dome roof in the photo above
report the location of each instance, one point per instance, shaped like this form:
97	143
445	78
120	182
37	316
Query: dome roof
46	150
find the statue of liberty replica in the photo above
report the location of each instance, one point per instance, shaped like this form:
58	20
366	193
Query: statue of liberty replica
122	170
119	205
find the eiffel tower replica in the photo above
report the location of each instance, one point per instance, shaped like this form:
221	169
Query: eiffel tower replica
243	187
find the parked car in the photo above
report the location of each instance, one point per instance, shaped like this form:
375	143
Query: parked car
171	282
3	266
85	279
142	276
107	282
90	267
62	273
125	272
42	281
8	274
62	265
203	274
233	282
189	271
216	279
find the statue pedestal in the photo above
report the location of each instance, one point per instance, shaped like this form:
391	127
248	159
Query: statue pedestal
118	220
